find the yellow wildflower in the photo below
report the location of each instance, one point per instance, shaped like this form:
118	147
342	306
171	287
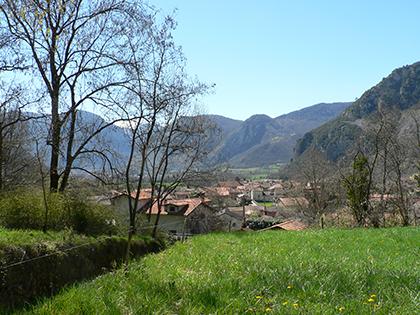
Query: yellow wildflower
341	309
285	303
289	286
373	296
370	300
295	305
258	297
268	309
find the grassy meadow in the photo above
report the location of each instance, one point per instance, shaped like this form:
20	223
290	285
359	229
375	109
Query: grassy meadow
358	271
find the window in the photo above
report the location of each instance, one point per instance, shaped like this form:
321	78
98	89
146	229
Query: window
171	209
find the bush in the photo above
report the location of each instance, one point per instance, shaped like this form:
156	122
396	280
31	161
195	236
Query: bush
260	223
26	210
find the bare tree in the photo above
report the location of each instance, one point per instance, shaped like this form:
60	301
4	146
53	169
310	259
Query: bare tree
181	145
15	149
317	174
159	95
394	152
361	182
76	47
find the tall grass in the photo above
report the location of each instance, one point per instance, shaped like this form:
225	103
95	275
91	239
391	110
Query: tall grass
356	271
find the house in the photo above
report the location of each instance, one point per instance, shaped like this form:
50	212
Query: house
250	210
230	184
184	216
276	190
184	193
260	195
290	225
231	221
221	197
120	202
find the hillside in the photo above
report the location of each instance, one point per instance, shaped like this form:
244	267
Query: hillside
359	271
258	141
113	140
261	140
399	92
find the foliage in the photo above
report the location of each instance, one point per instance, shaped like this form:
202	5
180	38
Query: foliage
18	238
356	271
52	262
357	189
25	210
260	223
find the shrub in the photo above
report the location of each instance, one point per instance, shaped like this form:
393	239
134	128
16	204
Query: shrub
26	210
260	223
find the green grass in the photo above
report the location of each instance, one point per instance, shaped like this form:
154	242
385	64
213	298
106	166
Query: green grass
18	238
256	173
266	204
357	271
9	237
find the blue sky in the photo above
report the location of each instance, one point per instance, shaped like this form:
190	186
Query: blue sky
272	57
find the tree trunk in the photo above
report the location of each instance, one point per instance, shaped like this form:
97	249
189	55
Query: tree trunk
1	160
128	250
157	220
65	177
55	144
69	156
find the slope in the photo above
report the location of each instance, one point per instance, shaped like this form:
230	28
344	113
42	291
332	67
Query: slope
399	92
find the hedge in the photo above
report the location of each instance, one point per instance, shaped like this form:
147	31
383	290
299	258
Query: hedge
44	276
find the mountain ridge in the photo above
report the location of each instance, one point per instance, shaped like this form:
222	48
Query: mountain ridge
261	140
399	92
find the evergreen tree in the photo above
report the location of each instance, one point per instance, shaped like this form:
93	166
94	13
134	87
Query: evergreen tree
357	187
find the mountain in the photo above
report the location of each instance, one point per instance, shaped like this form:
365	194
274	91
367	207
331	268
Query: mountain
258	141
226	125
113	139
261	140
398	92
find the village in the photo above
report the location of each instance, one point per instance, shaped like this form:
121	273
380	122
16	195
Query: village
227	206
239	204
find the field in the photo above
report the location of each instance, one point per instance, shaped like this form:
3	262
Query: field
256	173
359	271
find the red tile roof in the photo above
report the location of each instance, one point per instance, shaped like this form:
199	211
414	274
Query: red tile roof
144	194
190	205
